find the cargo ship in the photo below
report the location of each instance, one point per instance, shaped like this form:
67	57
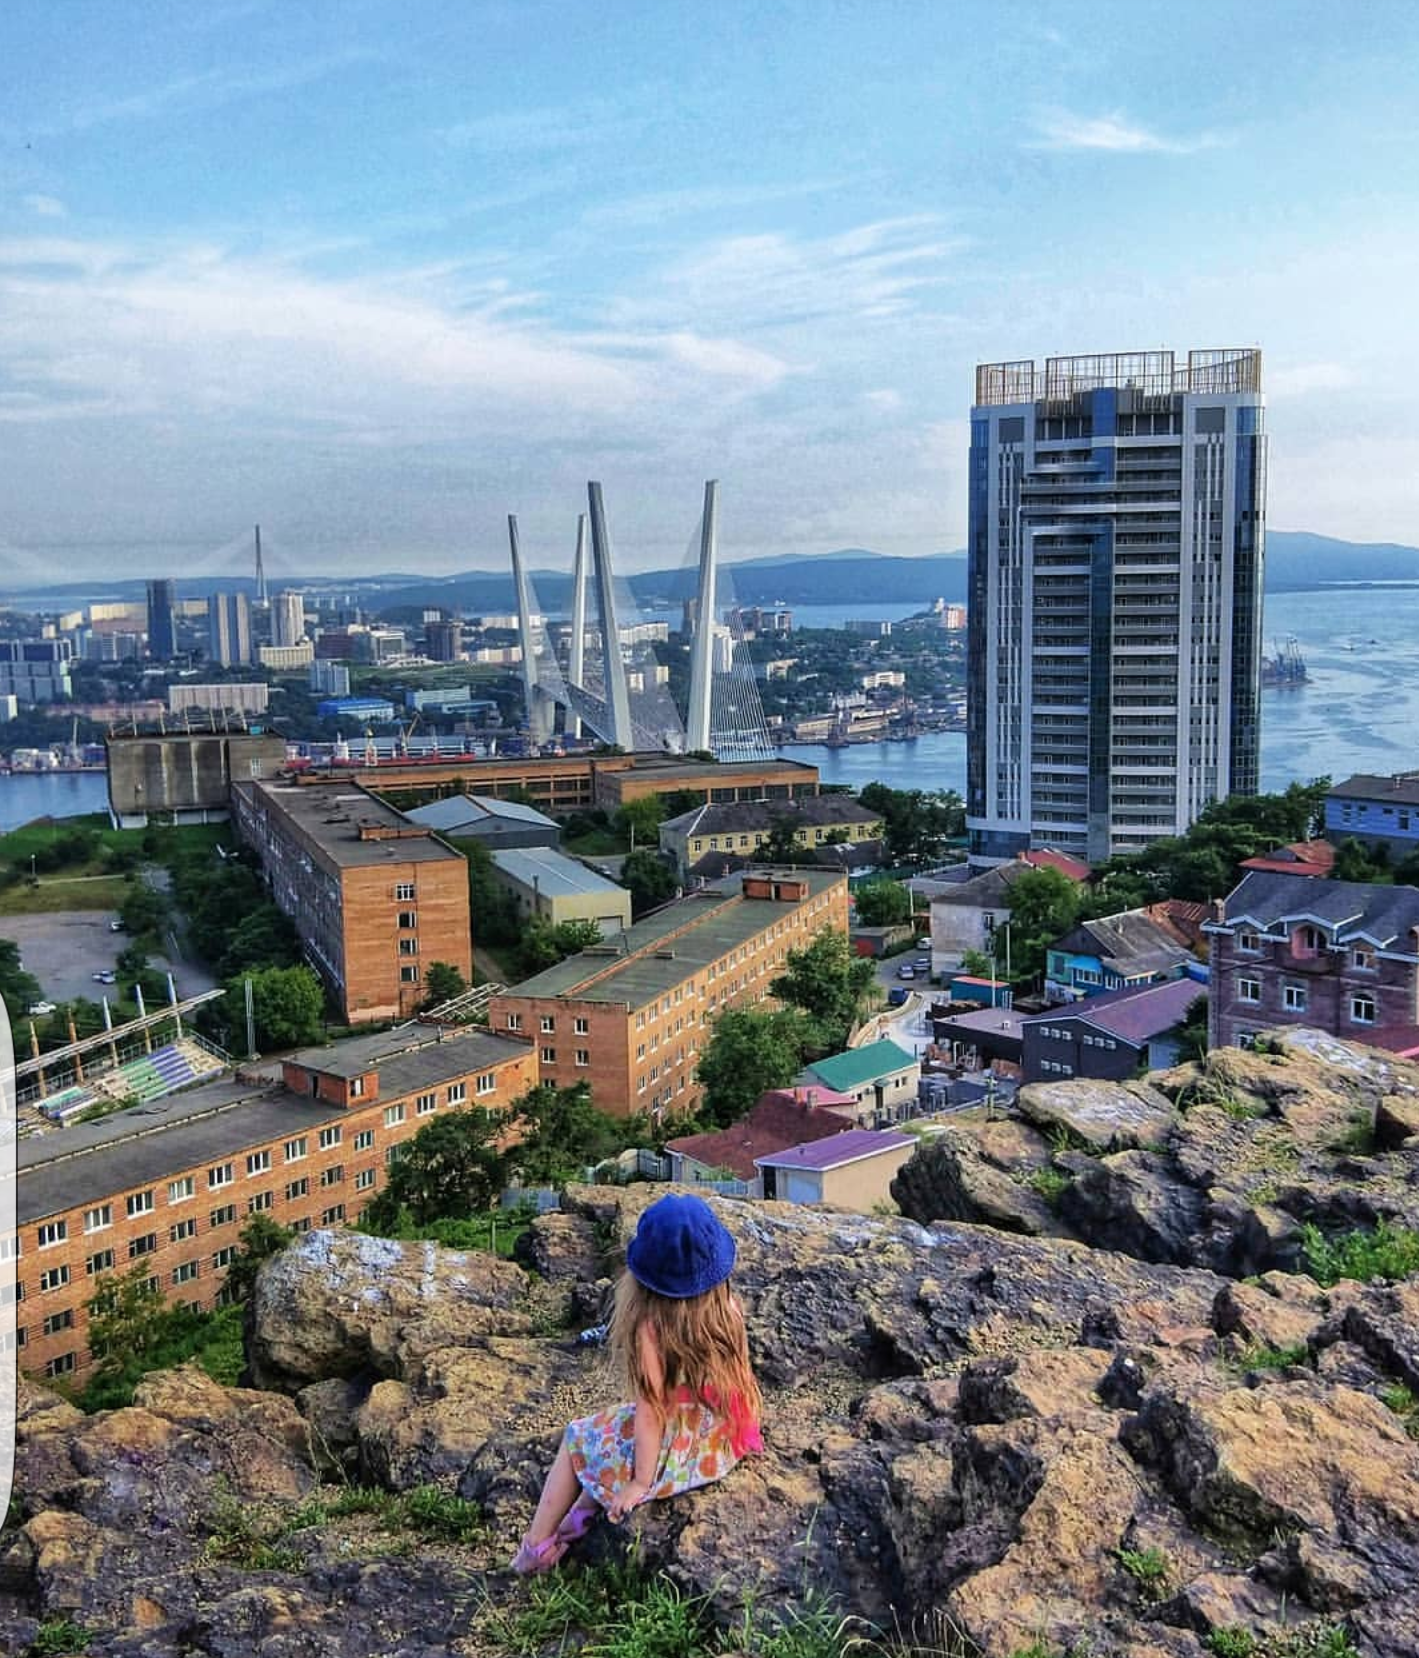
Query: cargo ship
1286	667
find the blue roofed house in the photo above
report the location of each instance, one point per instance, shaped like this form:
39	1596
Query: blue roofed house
881	1077
1381	811
1112	953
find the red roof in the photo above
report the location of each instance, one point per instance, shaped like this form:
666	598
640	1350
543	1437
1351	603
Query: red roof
781	1119
1047	858
1296	858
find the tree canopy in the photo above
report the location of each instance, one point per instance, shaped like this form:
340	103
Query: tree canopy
827	982
451	1168
883	903
916	824
442	982
288	1006
749	1051
1044	905
650	881
19	988
562	1133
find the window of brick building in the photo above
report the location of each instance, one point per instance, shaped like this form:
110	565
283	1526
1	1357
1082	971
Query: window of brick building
1248	990
1293	998
100	1219
364	1140
297	1149
100	1262
53	1232
259	1204
457	1093
140	1203
184	1229
329	1137
1362	1008
54	1279
179	1191
223	1216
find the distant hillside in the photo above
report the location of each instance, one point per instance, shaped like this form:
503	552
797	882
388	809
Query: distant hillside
1296	560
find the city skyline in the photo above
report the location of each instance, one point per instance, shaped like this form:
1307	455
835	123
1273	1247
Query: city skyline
378	279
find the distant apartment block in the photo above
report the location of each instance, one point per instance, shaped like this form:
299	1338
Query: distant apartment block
229	629
240	699
1382	811
1341	956
171	1186
375	898
330	679
1116	542
287	659
36	670
162	625
443	641
287	619
631	1016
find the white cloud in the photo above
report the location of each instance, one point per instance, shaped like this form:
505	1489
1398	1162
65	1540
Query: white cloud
1061	129
47	207
884	400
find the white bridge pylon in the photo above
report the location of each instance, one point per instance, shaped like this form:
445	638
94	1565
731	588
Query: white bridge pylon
612	683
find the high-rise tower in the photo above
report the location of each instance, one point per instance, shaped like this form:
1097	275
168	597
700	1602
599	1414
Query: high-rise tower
288	619
162	632
1116	546
229	628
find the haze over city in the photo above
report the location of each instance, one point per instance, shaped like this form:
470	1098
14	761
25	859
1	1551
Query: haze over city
376	277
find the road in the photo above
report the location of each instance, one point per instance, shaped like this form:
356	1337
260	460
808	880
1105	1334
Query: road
64	948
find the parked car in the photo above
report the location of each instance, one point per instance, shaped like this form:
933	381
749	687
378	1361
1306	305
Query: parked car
897	996
923	944
923	965
41	1007
906	971
105	976
115	926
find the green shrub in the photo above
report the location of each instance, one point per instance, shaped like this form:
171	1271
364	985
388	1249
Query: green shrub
59	1636
1231	1643
1261	1357
1405	1405
1387	1252
1050	1184
1149	1569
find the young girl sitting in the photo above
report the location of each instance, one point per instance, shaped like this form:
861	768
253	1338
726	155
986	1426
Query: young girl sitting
678	1335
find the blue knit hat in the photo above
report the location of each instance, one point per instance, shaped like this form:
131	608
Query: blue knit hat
680	1249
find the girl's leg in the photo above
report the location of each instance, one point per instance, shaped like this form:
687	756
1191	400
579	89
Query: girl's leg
561	1490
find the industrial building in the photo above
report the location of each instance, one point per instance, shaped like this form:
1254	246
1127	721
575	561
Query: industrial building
376	899
630	1016
1115	546
234	698
173	1184
544	882
497	823
35	670
742	827
184	777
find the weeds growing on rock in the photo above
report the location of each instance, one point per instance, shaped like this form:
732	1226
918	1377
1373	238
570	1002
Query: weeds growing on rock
1050	1184
1405	1405
1232	1643
1261	1357
1358	1140
1387	1252
1149	1569
58	1637
249	1537
816	1629
1062	1138
427	1510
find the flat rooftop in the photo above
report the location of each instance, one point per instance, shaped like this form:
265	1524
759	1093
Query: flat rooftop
88	1162
425	1053
351	826
673	766
553	873
720	920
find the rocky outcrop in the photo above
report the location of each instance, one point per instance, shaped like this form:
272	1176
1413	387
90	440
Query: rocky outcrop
1018	1439
1104	1116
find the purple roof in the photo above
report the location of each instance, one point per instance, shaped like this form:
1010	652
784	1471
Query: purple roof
836	1149
1136	1013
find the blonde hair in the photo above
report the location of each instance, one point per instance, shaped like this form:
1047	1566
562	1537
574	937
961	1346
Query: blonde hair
701	1343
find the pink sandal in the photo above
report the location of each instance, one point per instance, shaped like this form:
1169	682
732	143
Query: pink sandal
532	1559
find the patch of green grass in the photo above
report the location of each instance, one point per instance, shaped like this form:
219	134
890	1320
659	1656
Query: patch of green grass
1050	1184
1261	1357
1358	1140
1062	1138
64	892
426	1509
58	1636
1317	1640
245	1536
1231	1643
1387	1252
1149	1568
1404	1402
814	1629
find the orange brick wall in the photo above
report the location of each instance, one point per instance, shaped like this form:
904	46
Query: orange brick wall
644	1059
514	1076
374	988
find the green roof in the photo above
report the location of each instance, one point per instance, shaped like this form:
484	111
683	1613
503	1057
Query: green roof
846	1071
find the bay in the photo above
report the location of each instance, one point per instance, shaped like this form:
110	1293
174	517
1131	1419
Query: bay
1358	711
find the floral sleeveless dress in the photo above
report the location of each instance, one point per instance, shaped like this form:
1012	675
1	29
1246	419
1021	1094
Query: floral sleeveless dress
700	1444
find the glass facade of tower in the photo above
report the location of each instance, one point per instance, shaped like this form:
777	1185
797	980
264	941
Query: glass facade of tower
162	634
1116	549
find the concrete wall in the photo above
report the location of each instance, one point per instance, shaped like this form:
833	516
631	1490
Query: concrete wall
181	773
856	1186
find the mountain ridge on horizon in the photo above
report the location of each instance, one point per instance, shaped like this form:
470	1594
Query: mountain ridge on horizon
1297	560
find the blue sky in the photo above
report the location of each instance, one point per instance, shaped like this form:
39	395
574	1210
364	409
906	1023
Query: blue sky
377	274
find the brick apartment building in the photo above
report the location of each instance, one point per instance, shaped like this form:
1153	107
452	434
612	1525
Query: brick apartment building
172	1185
375	898
1339	956
629	1016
